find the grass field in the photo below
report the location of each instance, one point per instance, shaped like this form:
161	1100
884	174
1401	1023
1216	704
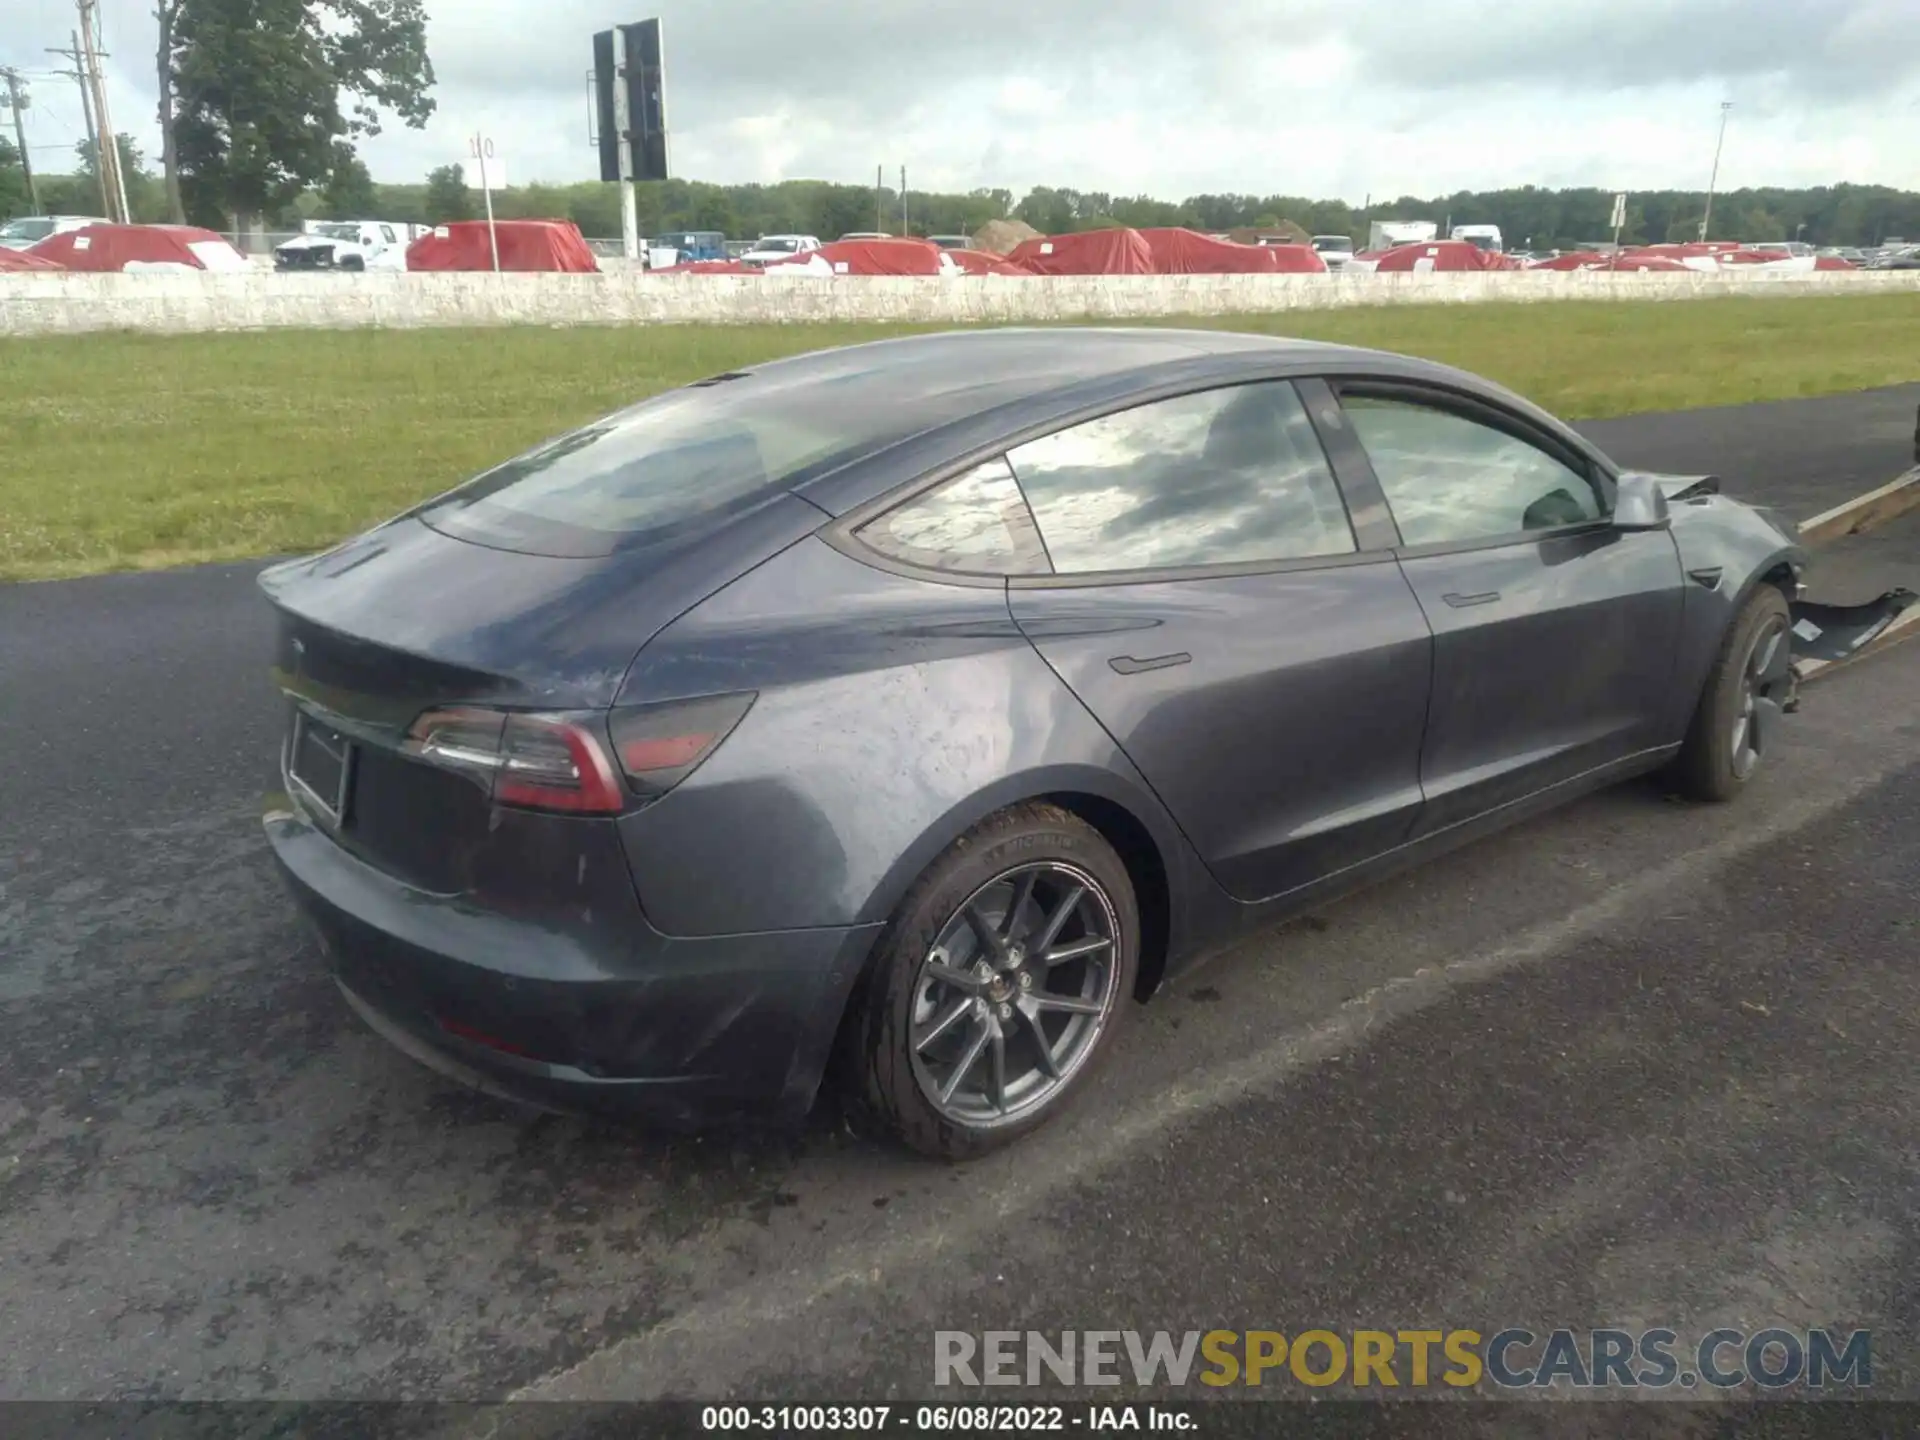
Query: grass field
139	451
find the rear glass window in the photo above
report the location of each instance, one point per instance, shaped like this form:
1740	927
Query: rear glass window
977	522
671	466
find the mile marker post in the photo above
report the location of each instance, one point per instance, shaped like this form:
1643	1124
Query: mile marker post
482	147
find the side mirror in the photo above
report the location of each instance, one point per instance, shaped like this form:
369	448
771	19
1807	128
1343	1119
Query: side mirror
1639	504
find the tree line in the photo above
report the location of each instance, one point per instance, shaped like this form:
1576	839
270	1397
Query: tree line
262	103
1528	216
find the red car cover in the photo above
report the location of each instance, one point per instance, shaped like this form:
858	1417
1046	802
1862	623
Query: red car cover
1759	257
106	248
20	260
870	257
1689	247
1573	260
524	245
1188	252
985	262
1086	252
1296	259
1635	260
1443	255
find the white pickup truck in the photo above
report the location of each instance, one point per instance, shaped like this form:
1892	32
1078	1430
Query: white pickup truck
345	245
30	230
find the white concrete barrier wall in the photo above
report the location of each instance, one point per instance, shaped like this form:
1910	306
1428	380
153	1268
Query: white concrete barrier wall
188	301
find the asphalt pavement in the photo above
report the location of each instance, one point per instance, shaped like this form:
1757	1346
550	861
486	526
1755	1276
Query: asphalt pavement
1636	1063
1802	456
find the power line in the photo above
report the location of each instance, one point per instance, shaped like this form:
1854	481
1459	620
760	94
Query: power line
86	55
79	73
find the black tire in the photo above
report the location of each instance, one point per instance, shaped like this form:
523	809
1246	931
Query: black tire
1709	767
993	858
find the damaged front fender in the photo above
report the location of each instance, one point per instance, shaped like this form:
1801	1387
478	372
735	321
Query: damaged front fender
1829	633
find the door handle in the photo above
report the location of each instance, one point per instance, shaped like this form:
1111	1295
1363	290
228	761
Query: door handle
1461	602
1127	665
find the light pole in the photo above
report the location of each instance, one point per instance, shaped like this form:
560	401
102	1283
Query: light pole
1714	178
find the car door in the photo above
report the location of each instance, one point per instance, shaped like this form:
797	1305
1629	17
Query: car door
1211	605
1555	635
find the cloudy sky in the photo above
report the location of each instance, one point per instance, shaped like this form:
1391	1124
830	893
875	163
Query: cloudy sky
1317	97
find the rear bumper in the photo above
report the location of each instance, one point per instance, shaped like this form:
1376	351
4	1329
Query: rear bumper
679	1032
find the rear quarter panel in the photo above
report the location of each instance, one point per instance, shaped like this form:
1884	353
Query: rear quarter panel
893	714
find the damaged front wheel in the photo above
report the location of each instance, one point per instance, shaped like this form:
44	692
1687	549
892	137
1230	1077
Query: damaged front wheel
1748	690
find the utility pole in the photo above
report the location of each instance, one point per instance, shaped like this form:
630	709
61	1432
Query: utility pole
1714	178
879	197
903	202
20	134
79	72
106	153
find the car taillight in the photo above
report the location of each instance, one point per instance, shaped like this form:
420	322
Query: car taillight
561	762
541	762
658	746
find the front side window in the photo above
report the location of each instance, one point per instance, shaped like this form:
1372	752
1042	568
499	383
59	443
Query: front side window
976	522
1449	479
1223	477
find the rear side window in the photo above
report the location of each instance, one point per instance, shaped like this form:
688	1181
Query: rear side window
1223	477
977	522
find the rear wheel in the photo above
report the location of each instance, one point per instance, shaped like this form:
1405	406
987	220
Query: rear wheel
999	985
1738	717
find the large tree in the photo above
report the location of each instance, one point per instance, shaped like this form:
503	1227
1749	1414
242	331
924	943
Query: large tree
263	96
13	182
167	14
144	200
349	192
447	195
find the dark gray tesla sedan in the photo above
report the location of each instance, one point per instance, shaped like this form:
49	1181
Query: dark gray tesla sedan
926	702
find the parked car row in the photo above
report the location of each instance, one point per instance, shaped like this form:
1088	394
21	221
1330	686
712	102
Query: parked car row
86	243
341	246
691	247
1896	255
349	245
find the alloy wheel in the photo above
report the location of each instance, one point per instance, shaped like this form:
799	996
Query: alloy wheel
1764	681
1012	998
